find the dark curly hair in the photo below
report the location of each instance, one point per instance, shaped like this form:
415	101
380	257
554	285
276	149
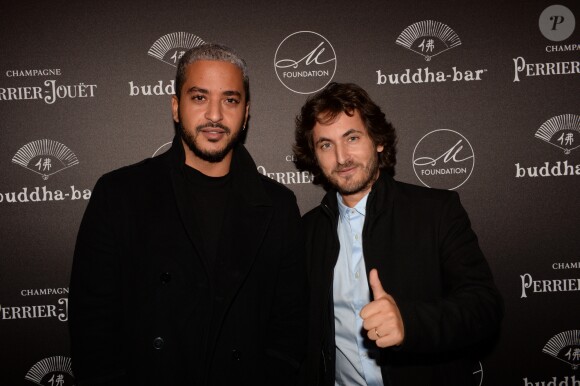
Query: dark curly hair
323	107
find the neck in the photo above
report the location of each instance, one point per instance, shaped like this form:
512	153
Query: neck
351	200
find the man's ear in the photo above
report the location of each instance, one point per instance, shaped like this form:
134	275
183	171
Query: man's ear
246	116
175	108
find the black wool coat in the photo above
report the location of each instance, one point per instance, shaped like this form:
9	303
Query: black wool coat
428	258
147	309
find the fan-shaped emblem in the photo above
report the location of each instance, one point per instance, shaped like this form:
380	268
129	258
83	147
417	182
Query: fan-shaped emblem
55	370
428	38
566	347
171	47
562	131
45	157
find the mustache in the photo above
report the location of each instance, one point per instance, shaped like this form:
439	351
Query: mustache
213	125
344	166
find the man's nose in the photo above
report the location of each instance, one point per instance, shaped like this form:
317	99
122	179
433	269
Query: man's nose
342	155
214	111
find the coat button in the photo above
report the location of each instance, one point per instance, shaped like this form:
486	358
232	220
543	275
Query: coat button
236	355
165	277
158	343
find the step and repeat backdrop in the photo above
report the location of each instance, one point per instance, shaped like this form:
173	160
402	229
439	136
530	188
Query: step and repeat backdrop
485	97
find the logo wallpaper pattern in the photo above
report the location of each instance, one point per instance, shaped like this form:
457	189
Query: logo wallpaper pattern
522	198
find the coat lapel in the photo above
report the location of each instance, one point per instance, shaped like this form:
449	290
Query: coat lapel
245	225
244	230
378	227
186	208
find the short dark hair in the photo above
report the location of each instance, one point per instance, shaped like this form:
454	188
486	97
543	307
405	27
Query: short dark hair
324	107
211	51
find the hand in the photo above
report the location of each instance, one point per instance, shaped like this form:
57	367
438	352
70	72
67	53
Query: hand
381	317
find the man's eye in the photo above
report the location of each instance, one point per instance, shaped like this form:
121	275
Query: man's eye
197	97
232	101
325	146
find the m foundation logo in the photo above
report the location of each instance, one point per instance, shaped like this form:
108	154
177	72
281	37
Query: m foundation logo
45	158
561	132
53	371
429	39
305	62
167	49
49	91
443	159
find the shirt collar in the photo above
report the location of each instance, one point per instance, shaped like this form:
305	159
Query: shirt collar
360	207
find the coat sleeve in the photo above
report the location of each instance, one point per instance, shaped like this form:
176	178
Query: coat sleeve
95	306
470	307
286	345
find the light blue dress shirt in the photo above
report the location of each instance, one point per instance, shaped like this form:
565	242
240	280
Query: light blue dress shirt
355	353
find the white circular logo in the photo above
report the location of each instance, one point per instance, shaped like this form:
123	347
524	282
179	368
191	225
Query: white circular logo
478	373
305	62
162	149
557	23
443	159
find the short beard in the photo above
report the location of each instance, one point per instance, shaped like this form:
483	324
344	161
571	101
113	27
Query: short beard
372	172
213	156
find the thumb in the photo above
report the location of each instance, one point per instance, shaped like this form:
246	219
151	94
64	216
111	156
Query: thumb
376	286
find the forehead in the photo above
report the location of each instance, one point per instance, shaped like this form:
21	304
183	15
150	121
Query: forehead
213	75
335	128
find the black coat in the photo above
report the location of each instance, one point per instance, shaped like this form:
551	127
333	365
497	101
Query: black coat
429	260
145	307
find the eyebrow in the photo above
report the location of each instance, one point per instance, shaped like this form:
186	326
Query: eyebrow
205	91
346	134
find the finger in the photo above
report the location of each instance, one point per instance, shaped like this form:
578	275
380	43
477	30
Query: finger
374	334
376	286
375	321
387	341
385	337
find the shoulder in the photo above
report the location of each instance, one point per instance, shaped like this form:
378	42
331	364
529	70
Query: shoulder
275	190
313	213
312	219
134	176
418	202
420	194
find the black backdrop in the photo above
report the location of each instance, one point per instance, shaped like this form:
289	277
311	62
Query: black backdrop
484	96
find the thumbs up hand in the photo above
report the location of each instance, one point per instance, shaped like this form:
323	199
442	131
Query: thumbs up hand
381	317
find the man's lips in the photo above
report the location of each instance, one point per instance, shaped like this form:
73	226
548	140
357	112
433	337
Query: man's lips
345	171
213	134
213	130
